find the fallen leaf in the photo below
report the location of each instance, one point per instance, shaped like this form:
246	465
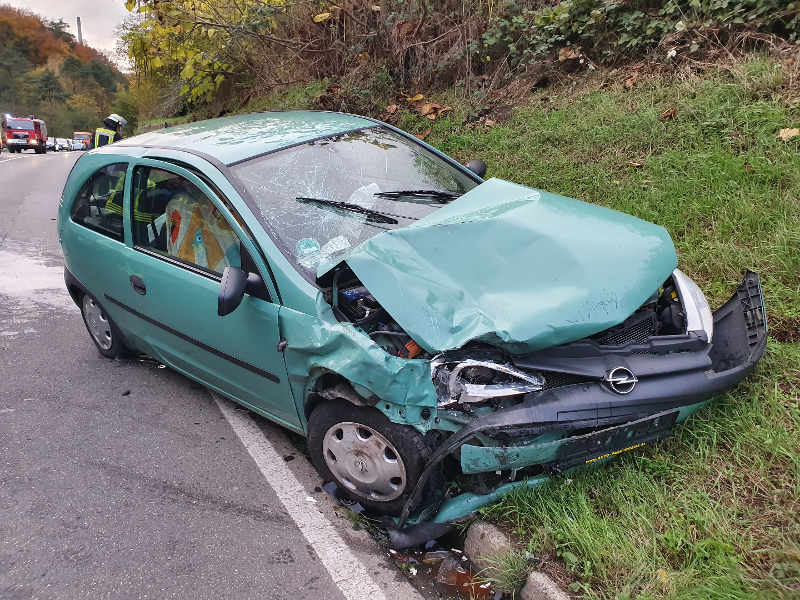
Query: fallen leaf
415	98
322	17
631	81
789	133
568	53
431	116
635	164
405	28
662	576
391	108
424	134
668	114
748	167
444	110
490	122
429	108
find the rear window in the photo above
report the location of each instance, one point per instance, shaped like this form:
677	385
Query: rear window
98	205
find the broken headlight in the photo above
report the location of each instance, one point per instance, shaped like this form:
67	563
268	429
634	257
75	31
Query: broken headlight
480	380
695	306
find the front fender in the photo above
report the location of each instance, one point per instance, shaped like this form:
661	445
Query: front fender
318	344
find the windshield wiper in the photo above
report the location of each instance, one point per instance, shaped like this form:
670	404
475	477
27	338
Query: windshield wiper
437	194
372	215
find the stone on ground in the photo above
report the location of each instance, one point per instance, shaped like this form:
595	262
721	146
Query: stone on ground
485	542
540	587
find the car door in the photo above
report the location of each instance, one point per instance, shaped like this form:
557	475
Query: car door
92	237
182	237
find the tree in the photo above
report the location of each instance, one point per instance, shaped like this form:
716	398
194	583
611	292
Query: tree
59	30
50	88
124	104
86	105
71	67
13	64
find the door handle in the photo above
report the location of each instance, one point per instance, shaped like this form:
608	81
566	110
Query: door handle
138	285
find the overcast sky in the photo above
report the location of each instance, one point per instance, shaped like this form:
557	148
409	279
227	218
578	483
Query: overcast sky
99	18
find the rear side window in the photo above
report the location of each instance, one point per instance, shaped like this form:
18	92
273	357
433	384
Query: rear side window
172	217
98	205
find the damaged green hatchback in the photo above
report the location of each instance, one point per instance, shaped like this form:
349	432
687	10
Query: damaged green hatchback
439	339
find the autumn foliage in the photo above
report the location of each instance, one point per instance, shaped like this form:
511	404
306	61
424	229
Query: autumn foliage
46	72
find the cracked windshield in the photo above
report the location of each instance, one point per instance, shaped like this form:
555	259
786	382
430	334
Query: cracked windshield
320	199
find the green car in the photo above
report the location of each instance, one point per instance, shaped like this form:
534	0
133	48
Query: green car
439	339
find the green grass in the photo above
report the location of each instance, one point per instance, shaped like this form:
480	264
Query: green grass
715	511
158	122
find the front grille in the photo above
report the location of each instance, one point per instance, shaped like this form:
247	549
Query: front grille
554	379
637	329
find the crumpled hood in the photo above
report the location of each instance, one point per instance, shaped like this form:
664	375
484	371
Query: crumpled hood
515	267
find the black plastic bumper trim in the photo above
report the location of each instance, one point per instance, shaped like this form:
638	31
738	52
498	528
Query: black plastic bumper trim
199	344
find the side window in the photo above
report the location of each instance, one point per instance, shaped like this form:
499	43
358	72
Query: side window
98	204
173	217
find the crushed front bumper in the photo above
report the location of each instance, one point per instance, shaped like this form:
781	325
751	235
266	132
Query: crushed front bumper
673	380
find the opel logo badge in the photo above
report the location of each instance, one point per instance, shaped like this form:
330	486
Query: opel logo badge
621	380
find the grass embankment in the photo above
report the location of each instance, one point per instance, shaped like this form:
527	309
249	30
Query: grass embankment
715	511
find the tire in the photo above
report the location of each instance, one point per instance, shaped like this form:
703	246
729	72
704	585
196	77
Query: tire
378	471
102	330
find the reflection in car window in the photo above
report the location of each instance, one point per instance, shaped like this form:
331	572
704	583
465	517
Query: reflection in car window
318	199
173	217
98	204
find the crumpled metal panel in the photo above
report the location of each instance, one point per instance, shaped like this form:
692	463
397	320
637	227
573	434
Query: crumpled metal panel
515	267
318	343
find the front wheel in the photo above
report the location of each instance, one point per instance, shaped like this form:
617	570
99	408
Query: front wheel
374	461
101	328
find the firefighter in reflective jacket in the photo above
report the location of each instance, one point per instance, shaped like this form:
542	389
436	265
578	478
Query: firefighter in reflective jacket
112	132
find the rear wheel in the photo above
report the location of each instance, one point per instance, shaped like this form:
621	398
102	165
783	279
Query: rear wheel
374	461
101	328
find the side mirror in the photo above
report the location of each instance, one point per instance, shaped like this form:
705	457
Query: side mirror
235	282
477	166
231	290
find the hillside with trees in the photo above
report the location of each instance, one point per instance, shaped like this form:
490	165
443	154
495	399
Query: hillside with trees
45	72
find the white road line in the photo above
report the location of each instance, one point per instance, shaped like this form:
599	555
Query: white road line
347	572
10	158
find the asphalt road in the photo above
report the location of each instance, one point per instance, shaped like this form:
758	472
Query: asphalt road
123	479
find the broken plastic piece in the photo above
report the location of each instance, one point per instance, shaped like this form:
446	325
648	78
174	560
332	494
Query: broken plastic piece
413	349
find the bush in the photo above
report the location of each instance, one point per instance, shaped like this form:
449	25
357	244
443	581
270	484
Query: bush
610	31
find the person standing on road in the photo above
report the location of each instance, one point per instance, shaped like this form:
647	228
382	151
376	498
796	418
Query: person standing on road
112	132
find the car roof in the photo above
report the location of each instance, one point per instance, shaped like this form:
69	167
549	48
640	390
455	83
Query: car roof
237	138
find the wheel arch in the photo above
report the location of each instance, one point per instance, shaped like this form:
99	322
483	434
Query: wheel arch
75	288
325	385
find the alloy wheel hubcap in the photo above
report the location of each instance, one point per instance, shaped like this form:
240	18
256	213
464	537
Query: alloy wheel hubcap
97	323
364	461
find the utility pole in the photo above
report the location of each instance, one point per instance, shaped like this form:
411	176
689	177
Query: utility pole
80	35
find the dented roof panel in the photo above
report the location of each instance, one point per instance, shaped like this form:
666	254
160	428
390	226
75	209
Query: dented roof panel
515	267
